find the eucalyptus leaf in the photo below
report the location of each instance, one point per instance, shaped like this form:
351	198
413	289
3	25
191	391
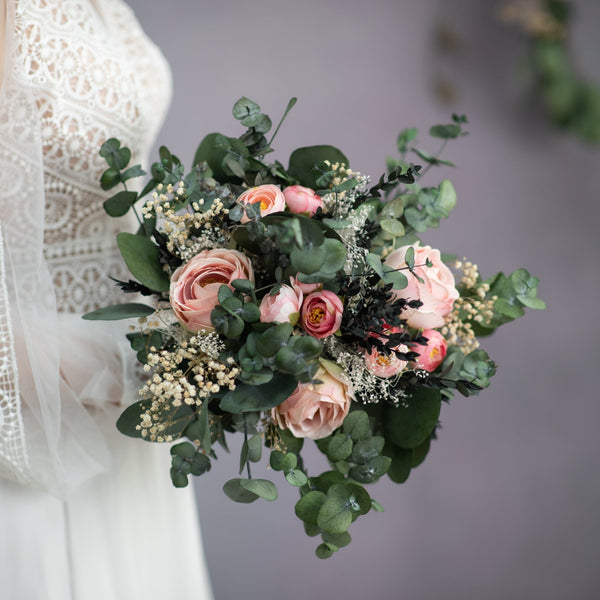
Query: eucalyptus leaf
116	312
410	425
142	258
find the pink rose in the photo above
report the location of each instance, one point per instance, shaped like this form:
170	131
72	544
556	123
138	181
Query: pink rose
195	285
383	365
321	314
306	288
269	196
301	199
437	292
432	354
316	410
283	307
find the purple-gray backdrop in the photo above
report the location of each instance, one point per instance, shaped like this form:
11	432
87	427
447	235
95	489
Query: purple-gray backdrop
506	505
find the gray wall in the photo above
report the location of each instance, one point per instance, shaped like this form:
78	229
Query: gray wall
506	505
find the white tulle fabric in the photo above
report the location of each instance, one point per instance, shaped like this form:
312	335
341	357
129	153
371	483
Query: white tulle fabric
84	512
76	74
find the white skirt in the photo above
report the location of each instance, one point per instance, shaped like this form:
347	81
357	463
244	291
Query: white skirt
125	534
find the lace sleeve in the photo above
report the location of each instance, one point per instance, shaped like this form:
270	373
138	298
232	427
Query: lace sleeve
45	440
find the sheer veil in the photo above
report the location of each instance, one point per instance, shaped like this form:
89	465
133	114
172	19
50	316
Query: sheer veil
47	438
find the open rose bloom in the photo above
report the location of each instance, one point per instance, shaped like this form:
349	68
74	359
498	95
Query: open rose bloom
437	291
322	313
432	354
270	198
316	410
195	285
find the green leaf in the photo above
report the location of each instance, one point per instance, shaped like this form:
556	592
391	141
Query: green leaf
235	491
251	398
132	173
447	196
366	449
178	419
375	263
446	132
325	550
340	540
308	507
409	426
308	260
291	442
339	447
405	137
420	452
372	470
263	488
142	258
392	226
335	256
334	516
402	462
199	430
119	311
274	338
245	107
212	150
110	178
119	204
255	448
303	162
296	477
356	425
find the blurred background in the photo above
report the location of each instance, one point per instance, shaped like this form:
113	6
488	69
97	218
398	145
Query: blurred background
506	504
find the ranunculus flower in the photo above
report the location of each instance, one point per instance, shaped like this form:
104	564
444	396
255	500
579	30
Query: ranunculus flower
195	285
383	365
269	196
315	411
283	307
300	199
321	314
437	292
432	354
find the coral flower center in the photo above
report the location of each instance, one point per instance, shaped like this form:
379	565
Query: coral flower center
384	361
213	279
316	315
263	205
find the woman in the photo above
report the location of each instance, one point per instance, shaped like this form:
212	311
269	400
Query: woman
85	513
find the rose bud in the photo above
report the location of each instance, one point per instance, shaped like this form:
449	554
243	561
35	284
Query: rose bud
432	354
301	199
283	307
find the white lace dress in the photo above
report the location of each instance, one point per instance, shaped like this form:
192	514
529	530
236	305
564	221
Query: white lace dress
85	513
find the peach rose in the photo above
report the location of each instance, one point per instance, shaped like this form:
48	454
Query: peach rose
316	410
300	199
195	285
432	354
321	314
283	307
437	292
269	196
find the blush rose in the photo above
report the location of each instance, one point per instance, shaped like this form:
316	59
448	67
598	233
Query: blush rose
300	199
195	285
437	291
432	354
316	410
283	307
321	314
269	196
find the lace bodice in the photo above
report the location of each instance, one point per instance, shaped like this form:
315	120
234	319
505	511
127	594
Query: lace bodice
95	75
77	72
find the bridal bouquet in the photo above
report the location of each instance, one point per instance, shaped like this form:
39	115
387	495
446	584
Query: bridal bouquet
298	303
